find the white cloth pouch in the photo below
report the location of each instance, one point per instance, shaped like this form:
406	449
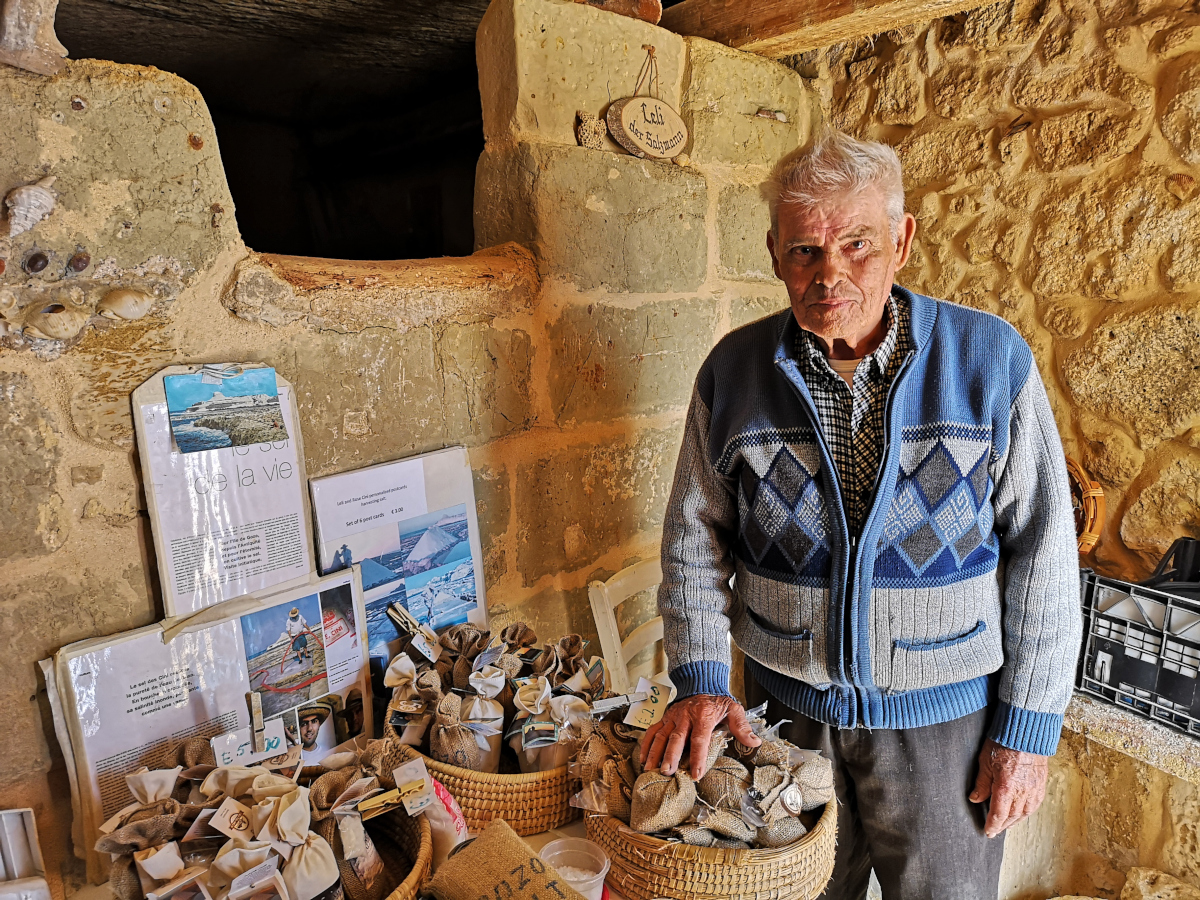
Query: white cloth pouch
485	715
311	869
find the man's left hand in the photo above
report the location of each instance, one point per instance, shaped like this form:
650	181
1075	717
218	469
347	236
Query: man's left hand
1014	781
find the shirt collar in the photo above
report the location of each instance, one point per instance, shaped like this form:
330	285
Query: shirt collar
809	352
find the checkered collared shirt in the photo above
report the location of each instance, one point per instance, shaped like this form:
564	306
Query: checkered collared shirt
853	420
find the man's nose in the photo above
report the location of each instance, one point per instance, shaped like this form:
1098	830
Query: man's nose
832	269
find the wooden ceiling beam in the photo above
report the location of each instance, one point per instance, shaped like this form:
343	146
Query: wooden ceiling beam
778	28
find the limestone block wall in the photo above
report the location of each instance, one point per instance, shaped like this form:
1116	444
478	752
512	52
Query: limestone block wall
1051	157
562	354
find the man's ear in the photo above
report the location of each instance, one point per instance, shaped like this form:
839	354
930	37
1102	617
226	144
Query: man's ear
904	240
774	258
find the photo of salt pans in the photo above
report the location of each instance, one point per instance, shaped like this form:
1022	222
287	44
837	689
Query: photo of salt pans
423	564
218	408
285	654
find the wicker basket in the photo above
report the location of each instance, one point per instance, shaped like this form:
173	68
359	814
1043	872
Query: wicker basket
530	803
414	837
645	867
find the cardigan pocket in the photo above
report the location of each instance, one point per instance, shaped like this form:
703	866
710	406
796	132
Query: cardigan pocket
789	654
945	660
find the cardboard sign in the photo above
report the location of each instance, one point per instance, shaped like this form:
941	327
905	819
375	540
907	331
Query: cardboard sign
415	786
236	748
646	712
232	819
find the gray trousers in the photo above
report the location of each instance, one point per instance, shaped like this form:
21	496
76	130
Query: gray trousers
902	806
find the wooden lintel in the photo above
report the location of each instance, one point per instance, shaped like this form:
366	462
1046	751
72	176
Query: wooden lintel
778	28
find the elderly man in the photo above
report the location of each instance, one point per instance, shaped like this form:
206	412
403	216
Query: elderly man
879	475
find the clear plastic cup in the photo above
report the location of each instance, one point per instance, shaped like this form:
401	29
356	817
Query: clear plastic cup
582	864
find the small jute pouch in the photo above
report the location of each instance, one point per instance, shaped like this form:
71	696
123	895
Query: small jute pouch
726	844
429	687
620	790
773	753
786	831
139	834
724	785
661	802
815	780
381	758
498	864
771	782
560	661
450	741
696	835
518	636
725	823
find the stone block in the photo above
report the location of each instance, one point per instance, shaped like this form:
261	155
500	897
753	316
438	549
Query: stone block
541	61
724	91
31	510
594	218
1167	509
551	613
900	90
744	310
484	374
608	361
1180	120
1088	136
1151	884
941	155
137	175
743	221
493	505
578	503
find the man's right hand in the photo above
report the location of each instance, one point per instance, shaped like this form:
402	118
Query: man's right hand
693	718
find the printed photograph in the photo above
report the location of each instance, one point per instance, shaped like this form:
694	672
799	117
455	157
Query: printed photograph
349	721
231	408
285	654
337	622
291	728
408	556
318	727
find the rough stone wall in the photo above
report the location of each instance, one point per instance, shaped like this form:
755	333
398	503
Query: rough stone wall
565	367
1051	155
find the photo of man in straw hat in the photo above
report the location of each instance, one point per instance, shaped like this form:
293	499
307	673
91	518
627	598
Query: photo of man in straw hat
312	717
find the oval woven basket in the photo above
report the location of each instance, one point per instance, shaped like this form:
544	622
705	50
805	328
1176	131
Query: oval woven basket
645	867
414	837
530	803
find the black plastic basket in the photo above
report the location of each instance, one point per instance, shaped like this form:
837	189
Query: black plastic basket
1142	650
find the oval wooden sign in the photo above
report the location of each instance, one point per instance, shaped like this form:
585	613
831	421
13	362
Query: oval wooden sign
646	126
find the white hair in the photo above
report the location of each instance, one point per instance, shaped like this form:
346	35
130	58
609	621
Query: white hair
836	163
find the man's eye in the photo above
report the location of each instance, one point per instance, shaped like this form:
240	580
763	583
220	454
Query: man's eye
803	251
857	245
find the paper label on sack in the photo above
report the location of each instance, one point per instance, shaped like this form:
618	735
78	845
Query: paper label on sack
646	712
488	657
427	643
235	748
233	820
288	760
415	785
251	877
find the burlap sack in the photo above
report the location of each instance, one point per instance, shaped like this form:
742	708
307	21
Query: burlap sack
380	759
661	802
621	738
560	661
450	741
518	636
511	666
460	645
618	800
815	780
195	751
773	753
325	790
696	835
141	834
726	844
498	864
593	753
770	782
782	833
724	785
430	687
728	824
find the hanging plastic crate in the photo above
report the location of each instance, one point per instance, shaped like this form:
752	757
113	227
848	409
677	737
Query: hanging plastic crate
1142	651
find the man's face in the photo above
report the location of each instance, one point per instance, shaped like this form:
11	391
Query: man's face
309	726
838	261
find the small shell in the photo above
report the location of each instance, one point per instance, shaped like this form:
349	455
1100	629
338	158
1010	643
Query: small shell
125	303
1181	185
28	205
56	322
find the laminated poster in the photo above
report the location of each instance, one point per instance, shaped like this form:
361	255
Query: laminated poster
126	701
411	525
229	518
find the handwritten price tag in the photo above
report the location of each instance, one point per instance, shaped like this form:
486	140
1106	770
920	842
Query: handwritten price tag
236	748
646	712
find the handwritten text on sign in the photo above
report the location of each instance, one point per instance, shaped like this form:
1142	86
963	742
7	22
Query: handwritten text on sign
647	126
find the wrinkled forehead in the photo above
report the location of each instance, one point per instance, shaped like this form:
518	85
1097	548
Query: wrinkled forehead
834	216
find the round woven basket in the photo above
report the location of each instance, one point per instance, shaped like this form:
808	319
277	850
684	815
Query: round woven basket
530	803
645	867
414	837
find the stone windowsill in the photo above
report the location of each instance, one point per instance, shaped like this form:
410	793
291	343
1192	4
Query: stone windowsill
1156	745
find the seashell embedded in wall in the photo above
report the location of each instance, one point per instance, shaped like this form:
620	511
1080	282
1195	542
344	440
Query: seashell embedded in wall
28	205
125	303
1181	185
55	322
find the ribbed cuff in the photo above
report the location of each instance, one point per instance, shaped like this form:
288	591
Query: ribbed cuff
703	677
1025	730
